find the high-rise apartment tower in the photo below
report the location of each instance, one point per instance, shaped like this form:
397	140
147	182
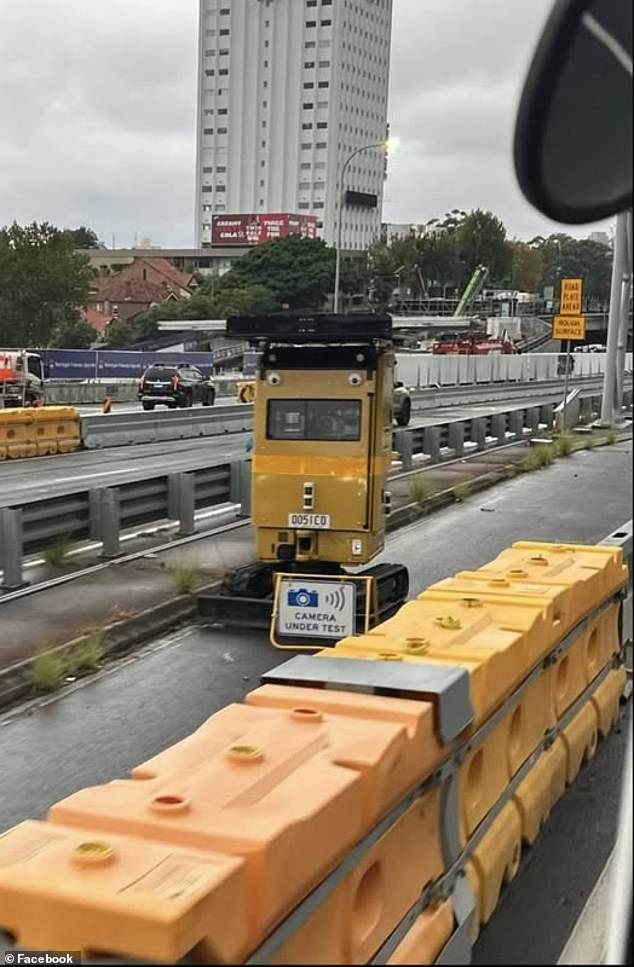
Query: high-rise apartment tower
288	90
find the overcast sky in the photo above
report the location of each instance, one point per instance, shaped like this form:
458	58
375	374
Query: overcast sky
97	113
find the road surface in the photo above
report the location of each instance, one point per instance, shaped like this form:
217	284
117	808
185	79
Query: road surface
135	709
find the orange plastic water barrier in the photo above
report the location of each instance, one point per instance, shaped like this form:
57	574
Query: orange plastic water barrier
289	789
216	839
63	890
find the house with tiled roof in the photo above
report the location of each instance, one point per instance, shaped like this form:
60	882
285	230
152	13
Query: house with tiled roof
145	283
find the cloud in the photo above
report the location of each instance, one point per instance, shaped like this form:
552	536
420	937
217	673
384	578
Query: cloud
98	108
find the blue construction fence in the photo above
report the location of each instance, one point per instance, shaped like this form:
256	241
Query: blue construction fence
112	364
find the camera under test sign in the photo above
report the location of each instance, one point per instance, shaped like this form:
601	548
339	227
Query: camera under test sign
316	608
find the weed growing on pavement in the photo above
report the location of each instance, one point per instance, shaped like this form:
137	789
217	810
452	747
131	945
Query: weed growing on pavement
565	445
545	455
56	554
462	491
87	655
48	671
420	488
185	576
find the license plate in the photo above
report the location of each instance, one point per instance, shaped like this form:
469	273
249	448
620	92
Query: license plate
316	522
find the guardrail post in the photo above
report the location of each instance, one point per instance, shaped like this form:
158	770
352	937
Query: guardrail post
110	523
585	410
181	502
456	438
498	427
517	422
240	486
431	442
94	504
404	445
479	432
532	419
547	414
11	549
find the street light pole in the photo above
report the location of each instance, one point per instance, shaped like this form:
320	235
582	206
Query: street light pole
614	320
342	199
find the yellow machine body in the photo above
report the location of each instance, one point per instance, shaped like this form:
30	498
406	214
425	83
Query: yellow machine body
322	451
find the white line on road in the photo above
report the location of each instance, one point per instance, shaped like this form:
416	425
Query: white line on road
587	942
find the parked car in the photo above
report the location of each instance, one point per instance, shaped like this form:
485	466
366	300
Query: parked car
172	386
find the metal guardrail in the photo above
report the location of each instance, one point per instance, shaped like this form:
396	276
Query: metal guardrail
130	429
100	514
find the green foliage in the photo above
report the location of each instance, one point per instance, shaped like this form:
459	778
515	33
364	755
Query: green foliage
144	326
481	240
298	272
48	670
73	333
462	491
86	655
526	268
185	576
542	456
43	283
566	257
565	445
611	437
56	554
83	237
244	301
545	455
420	488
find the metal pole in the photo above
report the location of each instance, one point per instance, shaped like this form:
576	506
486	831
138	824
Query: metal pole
367	147
566	384
339	243
614	322
626	289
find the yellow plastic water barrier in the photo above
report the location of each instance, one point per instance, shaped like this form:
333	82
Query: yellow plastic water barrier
210	845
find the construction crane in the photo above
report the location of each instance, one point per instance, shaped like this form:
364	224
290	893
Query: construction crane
472	291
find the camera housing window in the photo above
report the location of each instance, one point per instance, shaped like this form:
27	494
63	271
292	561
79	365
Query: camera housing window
329	420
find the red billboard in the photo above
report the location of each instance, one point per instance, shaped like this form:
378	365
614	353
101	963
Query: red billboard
244	230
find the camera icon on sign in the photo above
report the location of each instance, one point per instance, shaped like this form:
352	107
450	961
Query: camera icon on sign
303	599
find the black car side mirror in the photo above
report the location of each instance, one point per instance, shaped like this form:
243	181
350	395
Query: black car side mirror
573	137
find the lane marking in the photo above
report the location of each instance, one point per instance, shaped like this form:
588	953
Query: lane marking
587	942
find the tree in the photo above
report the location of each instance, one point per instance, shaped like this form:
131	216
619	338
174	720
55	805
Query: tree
73	334
244	301
299	272
526	272
481	240
43	283
440	264
566	257
83	237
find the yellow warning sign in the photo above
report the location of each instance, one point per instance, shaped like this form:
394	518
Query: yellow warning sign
569	327
571	293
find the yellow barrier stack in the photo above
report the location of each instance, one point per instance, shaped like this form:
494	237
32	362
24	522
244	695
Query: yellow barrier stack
16	434
405	829
56	429
38	431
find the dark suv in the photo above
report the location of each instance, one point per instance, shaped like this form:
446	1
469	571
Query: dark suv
174	386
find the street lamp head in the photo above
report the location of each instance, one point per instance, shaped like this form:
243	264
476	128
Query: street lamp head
391	144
